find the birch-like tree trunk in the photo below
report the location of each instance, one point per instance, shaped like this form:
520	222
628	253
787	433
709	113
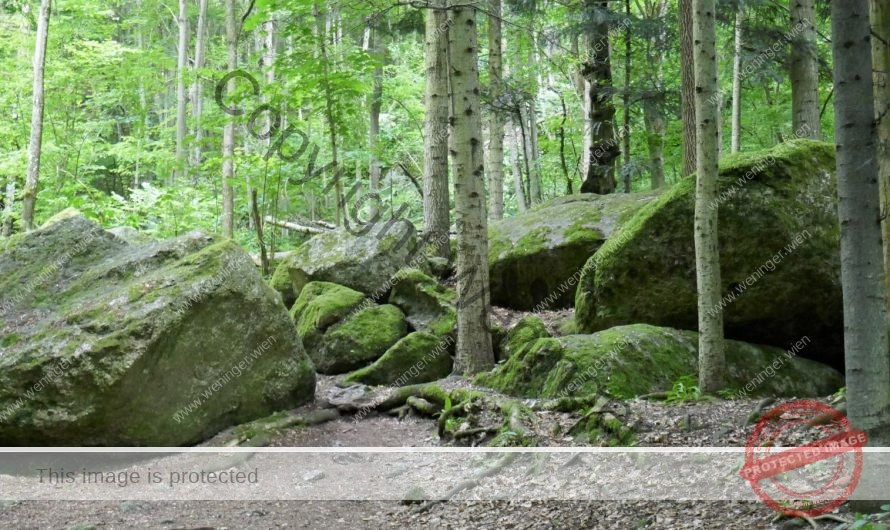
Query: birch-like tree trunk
804	71
603	150
711	357
197	88
473	349
228	146
375	44
736	140
516	166
687	74
181	96
436	210
32	179
862	269
880	42
495	164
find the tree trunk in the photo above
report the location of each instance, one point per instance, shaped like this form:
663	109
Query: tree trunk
323	21
597	71
496	119
196	89
228	146
687	71
711	363
516	160
436	210
181	98
862	269
880	42
625	128
804	71
653	107
8	207
473	350
29	195
375	43
530	132
736	142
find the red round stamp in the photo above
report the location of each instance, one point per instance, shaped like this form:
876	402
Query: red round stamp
807	480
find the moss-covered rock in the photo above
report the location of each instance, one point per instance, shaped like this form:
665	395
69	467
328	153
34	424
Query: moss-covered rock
161	344
366	263
418	358
280	281
628	361
429	305
529	328
779	255
320	306
130	235
534	258
359	339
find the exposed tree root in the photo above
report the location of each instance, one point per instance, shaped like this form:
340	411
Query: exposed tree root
493	469
812	520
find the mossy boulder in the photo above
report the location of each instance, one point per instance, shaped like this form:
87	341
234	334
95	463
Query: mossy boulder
779	256
159	344
365	263
130	235
417	358
280	281
429	305
534	258
359	339
528	329
628	361
320	306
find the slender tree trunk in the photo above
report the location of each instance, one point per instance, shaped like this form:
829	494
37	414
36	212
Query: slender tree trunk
197	88
804	71
597	70
880	42
530	124
181	97
436	210
8	207
516	164
687	72
736	143
323	22
29	195
625	129
473	349
862	268
228	147
375	43
711	364
653	107
495	164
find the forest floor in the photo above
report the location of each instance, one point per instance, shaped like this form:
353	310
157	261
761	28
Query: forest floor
715	422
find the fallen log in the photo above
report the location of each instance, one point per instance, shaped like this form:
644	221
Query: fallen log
325	227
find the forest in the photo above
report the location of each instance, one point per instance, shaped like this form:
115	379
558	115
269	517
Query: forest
504	227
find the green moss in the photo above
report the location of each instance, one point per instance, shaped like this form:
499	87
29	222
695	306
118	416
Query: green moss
322	304
360	339
429	305
528	329
417	358
281	282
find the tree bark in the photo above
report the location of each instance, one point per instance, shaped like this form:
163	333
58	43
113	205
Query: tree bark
228	146
862	269
496	119
736	140
711	357
625	127
32	179
436	210
197	88
181	97
804	71
473	350
375	43
516	165
687	71
597	70
880	42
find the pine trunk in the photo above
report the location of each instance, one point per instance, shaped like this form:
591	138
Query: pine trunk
711	365
862	268
436	213
29	195
495	163
736	141
228	146
181	97
687	71
516	164
804	71
375	43
473	349
880	42
197	88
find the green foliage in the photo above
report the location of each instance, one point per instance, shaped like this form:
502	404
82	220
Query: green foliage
684	389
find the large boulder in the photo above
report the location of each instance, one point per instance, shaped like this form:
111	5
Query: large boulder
155	344
360	339
628	361
320	306
779	256
534	258
366	263
429	305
